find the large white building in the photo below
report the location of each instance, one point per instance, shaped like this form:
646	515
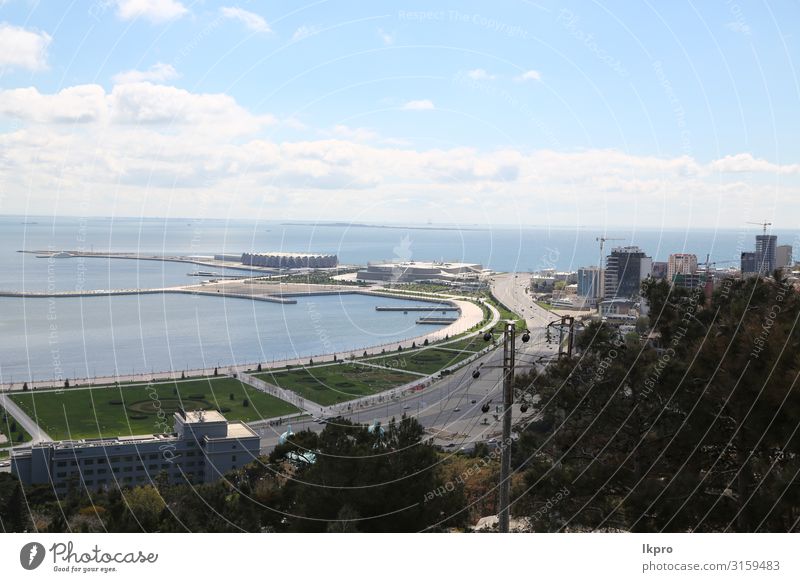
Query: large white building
409	271
203	447
290	260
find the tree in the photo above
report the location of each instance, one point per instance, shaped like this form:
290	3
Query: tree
694	431
66	383
145	505
388	492
425	343
259	367
245	403
216	372
24	386
230	396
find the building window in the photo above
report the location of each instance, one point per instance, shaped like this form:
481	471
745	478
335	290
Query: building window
88	462
61	464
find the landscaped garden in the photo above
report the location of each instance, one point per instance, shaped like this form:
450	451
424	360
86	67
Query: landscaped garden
143	409
334	383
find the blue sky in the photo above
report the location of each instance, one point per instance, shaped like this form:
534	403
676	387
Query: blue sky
565	113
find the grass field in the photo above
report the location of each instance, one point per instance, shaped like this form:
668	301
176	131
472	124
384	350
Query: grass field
11	429
336	383
425	361
131	410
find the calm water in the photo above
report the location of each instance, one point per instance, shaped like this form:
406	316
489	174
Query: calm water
101	335
505	249
84	337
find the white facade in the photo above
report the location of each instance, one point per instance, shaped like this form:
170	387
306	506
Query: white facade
204	447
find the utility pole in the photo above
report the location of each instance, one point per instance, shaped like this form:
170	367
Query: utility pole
509	358
509	340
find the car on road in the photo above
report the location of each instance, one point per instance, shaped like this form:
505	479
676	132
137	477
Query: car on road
406	406
456	409
5	463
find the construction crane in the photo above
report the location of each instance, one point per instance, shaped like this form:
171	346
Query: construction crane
763	225
601	284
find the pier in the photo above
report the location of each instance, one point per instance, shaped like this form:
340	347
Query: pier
433	320
117	292
442	308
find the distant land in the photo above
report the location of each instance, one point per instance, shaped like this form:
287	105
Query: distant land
362	225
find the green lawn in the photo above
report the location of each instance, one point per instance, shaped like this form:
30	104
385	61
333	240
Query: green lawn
336	383
425	361
131	410
474	343
11	429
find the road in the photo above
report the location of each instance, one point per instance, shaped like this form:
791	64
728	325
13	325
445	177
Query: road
37	434
445	409
509	288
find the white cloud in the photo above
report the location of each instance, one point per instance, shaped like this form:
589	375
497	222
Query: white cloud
386	38
304	32
141	103
142	142
21	48
479	75
156	11
419	104
251	20
746	163
159	72
529	76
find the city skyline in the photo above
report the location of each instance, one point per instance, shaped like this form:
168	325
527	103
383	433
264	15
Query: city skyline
676	116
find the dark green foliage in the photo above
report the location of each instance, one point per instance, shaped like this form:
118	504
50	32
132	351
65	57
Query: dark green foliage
692	431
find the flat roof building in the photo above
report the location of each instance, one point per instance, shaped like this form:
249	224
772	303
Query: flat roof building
681	264
203	447
783	256
410	271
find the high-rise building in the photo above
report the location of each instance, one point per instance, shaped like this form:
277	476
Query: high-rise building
681	264
589	282
783	256
765	253
626	268
748	264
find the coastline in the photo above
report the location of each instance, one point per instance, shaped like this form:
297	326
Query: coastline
470	315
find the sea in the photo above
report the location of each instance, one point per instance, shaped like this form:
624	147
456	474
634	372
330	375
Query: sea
85	337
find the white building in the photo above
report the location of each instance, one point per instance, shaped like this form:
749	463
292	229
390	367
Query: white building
410	271
203	447
290	260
